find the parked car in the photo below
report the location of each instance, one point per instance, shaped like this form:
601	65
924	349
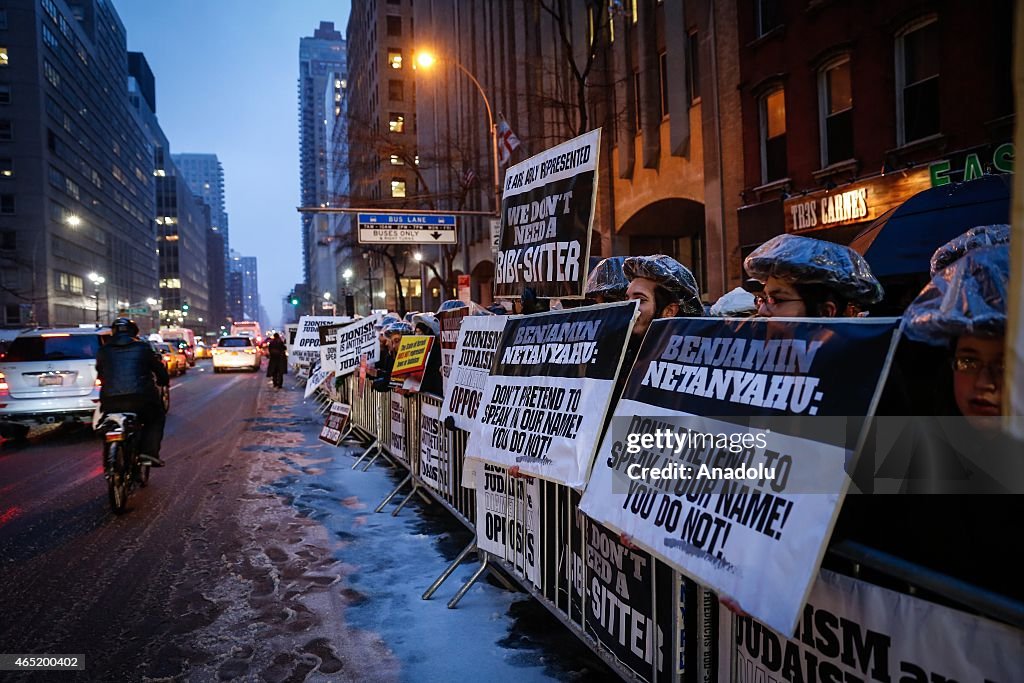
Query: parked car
50	376
203	351
238	353
175	361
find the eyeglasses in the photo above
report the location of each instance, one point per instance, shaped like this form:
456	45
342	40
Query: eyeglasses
969	365
771	301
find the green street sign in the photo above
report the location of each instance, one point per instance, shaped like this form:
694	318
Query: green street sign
138	310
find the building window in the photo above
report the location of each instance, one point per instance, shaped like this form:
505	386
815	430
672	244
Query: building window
773	136
7	203
4	59
8	240
633	10
394	25
663	73
394	58
397	160
397	187
6	130
768	16
396	89
6	167
835	104
396	123
3	18
49	38
5	93
637	104
51	74
693	68
72	284
917	81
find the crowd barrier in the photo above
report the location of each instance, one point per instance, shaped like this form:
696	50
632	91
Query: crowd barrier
670	628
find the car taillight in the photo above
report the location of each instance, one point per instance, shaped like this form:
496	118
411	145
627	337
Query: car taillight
114	436
3	384
98	383
167	358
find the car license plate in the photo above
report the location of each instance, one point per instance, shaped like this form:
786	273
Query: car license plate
51	380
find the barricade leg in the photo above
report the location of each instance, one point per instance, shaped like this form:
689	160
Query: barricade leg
469	584
375	445
380	452
459	559
394	493
415	490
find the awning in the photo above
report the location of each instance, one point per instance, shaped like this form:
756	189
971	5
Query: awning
902	241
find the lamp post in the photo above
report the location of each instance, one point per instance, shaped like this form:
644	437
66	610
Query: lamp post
328	304
426	60
97	280
418	256
154	313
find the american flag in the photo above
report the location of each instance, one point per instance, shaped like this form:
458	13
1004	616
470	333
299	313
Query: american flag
468	178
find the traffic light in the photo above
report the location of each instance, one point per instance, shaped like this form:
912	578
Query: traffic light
185	306
293	299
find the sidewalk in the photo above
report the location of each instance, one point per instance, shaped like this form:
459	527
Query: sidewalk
326	589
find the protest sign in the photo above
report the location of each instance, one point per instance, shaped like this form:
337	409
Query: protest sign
335	423
478	340
396	446
451	322
508	519
317	376
355	340
850	630
435	458
328	347
619	600
551	381
290	331
413	350
743	505
306	345
547	209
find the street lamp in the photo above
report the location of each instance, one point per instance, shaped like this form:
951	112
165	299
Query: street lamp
97	280
328	304
427	59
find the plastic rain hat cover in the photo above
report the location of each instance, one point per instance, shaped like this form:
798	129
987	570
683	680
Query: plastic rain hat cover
980	236
670	274
807	261
607	278
738	303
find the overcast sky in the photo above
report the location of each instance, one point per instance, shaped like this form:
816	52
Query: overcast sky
226	83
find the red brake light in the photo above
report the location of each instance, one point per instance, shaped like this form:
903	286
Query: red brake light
98	383
3	384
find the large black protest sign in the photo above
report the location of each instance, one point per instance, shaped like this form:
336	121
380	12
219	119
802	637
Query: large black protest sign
742	505
551	381
547	209
451	322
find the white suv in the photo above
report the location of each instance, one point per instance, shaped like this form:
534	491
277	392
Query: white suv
237	352
50	376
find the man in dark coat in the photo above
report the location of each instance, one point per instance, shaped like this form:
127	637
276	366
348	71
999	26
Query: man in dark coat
277	360
130	370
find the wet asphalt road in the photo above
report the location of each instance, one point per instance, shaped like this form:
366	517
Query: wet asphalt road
77	579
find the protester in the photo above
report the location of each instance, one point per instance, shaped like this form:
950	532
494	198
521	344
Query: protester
607	282
738	303
980	236
431	381
664	287
392	337
530	304
802	277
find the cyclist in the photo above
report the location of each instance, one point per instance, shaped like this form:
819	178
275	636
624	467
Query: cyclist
130	371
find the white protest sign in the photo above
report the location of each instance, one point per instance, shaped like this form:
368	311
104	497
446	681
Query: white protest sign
435	452
508	519
743	502
850	630
316	378
550	385
355	340
464	392
397	445
306	347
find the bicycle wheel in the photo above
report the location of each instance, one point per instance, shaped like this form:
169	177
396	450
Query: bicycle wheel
117	487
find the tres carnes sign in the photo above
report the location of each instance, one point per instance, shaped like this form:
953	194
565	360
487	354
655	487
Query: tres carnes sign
855	203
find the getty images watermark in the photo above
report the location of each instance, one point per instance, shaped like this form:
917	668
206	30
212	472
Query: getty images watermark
666	440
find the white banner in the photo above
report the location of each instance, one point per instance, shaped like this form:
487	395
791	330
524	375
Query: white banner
316	378
397	446
435	451
354	340
508	519
545	400
853	631
464	392
306	347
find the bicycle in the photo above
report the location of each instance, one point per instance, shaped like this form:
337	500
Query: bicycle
121	465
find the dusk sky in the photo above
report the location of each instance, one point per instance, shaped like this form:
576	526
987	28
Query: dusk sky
226	83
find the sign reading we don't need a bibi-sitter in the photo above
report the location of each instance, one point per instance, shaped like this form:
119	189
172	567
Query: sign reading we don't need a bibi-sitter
547	209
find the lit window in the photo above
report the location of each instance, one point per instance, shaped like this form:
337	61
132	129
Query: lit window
3	55
396	124
773	136
394	58
396	160
835	99
917	81
397	187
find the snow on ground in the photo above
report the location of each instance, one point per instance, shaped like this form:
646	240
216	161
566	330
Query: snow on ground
385	563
